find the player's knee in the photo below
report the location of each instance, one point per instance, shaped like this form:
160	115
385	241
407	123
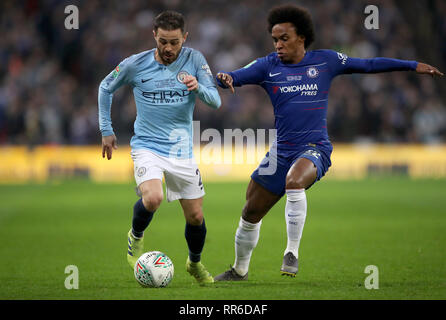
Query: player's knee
152	201
252	213
298	182
195	217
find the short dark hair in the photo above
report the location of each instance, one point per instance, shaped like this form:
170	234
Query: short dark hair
169	20
298	16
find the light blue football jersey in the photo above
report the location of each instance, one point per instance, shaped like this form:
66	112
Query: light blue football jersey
164	106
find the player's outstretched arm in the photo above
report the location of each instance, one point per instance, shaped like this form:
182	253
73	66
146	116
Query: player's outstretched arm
226	80
424	68
108	144
342	64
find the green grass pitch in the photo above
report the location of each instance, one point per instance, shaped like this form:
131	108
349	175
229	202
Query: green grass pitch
396	224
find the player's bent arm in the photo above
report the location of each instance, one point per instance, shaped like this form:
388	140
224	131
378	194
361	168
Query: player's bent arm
206	90
209	95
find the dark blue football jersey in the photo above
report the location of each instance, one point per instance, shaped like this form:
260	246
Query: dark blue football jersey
299	92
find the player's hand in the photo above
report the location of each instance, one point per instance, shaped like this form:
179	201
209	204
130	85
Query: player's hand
424	68
190	82
108	144
226	79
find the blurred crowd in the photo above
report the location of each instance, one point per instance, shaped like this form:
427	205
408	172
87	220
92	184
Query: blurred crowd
49	76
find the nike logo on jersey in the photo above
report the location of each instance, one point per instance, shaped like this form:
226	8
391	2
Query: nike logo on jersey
145	80
274	74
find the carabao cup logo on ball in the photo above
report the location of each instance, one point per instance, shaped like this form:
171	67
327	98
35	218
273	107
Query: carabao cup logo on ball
142	274
162	261
154	269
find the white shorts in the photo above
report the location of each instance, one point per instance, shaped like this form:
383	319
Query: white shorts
182	177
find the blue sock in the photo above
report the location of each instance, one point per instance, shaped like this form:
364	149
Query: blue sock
141	219
195	236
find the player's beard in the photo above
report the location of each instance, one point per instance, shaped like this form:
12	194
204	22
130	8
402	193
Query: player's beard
167	57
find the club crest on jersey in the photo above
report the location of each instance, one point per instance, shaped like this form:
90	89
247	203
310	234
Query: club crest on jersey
141	171
181	75
312	72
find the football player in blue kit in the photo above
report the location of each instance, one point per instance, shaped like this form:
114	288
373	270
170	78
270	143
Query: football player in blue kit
166	82
297	81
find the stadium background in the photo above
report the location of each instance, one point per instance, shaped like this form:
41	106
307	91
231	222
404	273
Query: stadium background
381	125
49	76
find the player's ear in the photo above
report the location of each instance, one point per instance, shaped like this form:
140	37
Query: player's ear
185	36
154	33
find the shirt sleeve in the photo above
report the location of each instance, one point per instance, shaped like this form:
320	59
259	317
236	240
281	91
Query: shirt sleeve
252	73
207	90
340	63
121	75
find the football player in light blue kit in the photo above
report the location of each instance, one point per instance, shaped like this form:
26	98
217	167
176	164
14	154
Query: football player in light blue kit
165	82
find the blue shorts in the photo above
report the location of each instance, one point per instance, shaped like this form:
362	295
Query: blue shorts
273	178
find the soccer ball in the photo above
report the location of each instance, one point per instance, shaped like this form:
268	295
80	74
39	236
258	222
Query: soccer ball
153	269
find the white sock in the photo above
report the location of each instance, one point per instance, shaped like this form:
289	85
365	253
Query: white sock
246	239
295	214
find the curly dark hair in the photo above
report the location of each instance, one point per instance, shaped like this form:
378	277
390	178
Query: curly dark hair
169	20
298	16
